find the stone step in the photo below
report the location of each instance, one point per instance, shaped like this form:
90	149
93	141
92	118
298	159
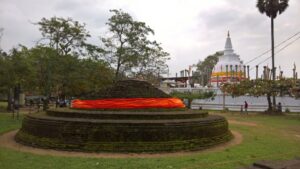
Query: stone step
289	164
142	115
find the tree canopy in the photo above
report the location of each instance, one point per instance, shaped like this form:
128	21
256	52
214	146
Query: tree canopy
272	7
64	35
41	70
260	87
204	68
130	49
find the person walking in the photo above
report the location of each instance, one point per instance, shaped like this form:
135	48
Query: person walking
56	103
279	107
246	107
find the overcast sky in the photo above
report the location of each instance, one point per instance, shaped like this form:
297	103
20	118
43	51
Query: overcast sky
189	30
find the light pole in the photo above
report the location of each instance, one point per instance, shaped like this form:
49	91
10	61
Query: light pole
231	73
256	71
236	73
245	71
226	73
248	72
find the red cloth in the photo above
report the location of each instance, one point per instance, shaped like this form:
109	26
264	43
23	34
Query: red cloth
128	103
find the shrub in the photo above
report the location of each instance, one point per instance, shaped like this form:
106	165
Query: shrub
287	110
226	109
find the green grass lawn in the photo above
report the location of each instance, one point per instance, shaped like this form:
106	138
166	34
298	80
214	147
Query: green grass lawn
2	103
3	106
274	137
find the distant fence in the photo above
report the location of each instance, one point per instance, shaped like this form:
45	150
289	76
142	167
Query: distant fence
235	107
195	90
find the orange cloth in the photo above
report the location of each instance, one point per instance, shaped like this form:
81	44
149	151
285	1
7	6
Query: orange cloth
128	103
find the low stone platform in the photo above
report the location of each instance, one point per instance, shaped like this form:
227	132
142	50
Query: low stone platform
123	131
151	114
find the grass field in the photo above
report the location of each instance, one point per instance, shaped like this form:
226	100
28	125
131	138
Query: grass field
3	103
3	106
274	137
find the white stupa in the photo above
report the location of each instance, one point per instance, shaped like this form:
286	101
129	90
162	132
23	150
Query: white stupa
229	67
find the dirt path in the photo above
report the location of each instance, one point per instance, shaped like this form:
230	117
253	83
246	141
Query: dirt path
252	124
7	140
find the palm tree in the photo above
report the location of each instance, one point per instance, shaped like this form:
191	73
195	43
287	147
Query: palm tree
271	8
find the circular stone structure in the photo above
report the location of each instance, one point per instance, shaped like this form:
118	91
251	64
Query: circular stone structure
129	130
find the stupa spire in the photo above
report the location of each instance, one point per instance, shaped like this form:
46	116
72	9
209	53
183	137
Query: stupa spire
228	45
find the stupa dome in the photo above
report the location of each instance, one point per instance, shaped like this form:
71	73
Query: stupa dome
229	67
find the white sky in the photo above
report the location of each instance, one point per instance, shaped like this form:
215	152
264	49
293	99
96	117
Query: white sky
189	30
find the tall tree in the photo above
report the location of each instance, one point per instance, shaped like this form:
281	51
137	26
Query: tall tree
14	71
272	8
205	67
45	62
64	35
4	72
66	76
42	71
129	48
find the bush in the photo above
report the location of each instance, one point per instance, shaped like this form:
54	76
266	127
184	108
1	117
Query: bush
226	109
287	110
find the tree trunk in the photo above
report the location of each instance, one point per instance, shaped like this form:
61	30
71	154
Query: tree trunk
269	102
117	72
190	103
273	61
9	100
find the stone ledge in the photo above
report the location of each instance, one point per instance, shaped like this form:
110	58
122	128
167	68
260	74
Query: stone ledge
289	164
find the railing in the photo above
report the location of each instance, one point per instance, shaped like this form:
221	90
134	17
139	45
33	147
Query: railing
234	107
194	90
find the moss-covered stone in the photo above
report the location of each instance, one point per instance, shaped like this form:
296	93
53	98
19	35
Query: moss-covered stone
127	89
146	114
167	146
132	134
